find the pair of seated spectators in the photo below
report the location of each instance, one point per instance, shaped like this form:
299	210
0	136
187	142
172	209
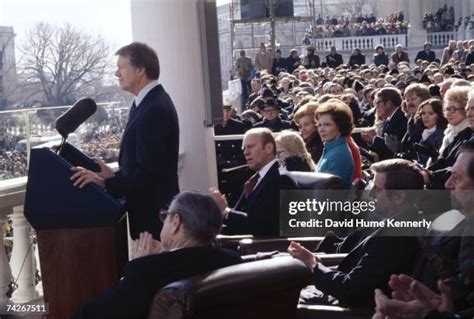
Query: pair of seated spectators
439	285
451	255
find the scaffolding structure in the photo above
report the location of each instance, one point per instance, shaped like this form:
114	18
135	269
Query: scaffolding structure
277	32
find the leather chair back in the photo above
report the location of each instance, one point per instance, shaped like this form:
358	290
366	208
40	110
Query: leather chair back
317	181
261	289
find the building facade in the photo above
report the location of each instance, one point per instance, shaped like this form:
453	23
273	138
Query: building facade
7	65
289	34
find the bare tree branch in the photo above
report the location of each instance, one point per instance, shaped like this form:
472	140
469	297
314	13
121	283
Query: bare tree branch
63	61
353	7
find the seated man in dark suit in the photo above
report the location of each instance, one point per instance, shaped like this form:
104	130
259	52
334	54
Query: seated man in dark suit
257	211
229	125
271	118
387	143
189	228
455	282
371	258
426	54
399	55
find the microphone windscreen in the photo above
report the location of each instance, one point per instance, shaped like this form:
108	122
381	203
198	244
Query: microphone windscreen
75	116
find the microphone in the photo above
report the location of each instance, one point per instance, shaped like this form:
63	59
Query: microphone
75	116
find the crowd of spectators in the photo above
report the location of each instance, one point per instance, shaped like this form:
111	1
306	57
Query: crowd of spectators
97	142
346	26
361	118
352	117
440	21
287	90
12	162
412	125
104	145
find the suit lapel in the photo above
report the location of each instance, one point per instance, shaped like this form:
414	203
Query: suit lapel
143	105
266	179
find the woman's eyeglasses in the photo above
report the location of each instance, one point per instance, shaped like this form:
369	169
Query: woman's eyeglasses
452	109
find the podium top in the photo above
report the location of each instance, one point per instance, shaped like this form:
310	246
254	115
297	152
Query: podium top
53	202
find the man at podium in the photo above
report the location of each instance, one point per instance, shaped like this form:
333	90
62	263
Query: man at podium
148	158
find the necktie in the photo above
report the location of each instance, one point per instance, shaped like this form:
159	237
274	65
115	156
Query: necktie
385	126
250	184
132	110
132	114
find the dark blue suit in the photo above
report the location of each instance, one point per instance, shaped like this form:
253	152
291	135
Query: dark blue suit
260	213
275	125
429	56
440	167
396	127
148	161
131	296
371	259
434	140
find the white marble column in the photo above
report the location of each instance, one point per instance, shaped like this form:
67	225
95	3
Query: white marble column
466	4
416	34
431	6
439	4
466	8
415	14
470	32
5	272
22	258
425	7
457	10
171	27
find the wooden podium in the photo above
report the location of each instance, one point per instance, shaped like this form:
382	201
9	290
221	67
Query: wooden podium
82	235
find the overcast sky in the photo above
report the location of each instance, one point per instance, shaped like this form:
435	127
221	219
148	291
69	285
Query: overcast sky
110	18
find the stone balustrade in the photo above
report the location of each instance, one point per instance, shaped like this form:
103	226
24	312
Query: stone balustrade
440	39
363	42
22	266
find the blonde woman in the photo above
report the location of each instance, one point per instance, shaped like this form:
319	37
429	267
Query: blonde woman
304	118
292	153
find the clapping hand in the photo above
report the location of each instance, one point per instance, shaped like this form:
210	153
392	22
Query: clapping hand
299	252
145	245
411	299
219	198
426	149
368	136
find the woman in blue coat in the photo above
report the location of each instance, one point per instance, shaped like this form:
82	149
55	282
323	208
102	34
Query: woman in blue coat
334	119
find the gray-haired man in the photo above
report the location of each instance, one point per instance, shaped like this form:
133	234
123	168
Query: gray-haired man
189	228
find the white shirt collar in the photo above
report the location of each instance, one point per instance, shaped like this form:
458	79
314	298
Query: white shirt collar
427	133
391	115
144	91
264	170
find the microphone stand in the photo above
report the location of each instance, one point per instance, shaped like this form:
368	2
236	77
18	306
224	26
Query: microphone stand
59	148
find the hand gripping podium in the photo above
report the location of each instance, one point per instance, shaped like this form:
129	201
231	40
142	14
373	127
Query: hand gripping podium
82	235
